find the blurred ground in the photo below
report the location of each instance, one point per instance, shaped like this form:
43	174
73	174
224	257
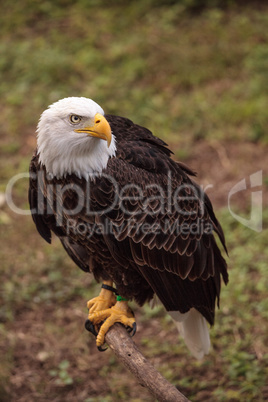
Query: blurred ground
196	77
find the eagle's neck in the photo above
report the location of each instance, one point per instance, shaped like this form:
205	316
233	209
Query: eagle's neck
83	160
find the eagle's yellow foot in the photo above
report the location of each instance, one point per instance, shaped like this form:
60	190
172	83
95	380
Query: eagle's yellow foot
120	312
104	301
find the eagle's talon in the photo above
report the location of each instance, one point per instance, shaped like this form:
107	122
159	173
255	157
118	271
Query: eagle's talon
90	327
133	329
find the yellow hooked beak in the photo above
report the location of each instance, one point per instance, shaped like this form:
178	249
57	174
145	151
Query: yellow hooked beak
101	129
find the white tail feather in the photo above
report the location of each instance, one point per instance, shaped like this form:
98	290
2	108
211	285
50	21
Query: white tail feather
194	330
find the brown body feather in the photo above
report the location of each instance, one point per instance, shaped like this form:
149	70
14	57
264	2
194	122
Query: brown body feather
183	268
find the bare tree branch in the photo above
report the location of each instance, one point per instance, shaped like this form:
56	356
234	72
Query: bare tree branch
127	352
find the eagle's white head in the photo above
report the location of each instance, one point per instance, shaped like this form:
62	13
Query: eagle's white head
73	136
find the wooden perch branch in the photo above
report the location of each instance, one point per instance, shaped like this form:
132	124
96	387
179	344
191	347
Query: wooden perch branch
127	352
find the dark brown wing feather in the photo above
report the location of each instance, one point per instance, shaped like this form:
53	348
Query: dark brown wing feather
36	206
144	249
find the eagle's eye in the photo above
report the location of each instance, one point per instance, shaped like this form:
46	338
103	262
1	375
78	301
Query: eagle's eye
74	119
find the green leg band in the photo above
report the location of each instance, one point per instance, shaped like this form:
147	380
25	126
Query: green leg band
120	298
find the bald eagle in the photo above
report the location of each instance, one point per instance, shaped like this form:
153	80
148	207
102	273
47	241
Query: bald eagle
130	215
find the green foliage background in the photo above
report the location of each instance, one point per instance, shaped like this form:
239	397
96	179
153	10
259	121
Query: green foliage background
190	71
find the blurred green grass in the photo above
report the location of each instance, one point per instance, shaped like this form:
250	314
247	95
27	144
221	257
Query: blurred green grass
175	66
188	73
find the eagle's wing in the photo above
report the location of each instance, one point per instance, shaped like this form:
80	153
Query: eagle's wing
42	206
175	251
36	200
